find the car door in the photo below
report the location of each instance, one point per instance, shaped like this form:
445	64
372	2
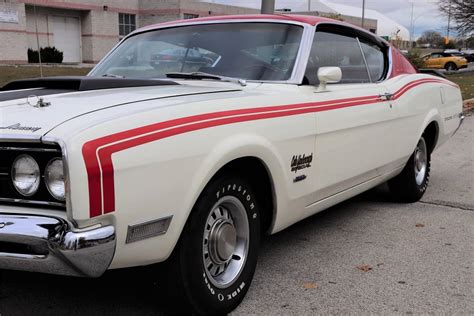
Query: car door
353	130
435	61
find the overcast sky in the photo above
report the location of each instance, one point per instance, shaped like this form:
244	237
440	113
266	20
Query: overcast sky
426	14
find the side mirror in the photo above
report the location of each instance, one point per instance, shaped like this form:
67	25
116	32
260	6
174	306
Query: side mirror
328	74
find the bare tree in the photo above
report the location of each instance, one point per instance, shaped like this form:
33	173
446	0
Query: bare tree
431	37
462	12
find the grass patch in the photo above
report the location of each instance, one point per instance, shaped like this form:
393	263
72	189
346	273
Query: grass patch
9	73
466	82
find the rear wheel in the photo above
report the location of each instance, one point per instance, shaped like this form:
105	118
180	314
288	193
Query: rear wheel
450	66
412	182
218	250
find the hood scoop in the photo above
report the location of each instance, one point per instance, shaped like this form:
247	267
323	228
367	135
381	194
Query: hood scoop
53	85
83	83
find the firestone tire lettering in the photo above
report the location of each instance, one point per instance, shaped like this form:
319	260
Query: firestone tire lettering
201	292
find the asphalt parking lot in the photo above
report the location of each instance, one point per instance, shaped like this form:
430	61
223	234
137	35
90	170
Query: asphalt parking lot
366	255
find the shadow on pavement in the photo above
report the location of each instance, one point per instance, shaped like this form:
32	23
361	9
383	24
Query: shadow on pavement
135	290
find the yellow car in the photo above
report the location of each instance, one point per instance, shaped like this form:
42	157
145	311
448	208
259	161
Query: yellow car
444	60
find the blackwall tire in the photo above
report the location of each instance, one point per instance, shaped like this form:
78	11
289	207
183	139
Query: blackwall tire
410	185
217	253
451	66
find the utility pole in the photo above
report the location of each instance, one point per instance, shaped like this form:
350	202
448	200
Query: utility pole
268	7
363	13
309	5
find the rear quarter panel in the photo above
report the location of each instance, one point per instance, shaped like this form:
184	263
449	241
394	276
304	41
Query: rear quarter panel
428	99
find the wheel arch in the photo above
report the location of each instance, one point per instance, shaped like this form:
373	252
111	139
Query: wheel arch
257	159
431	135
432	127
259	175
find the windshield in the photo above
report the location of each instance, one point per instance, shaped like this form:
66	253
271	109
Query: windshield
251	51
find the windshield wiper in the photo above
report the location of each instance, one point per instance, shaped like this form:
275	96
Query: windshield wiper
112	76
203	75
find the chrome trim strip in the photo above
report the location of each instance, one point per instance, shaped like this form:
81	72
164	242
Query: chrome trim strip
365	60
30	149
58	249
148	229
21	256
32	202
390	64
50	140
18	138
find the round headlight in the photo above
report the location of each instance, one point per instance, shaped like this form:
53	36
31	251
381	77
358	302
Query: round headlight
54	179
26	175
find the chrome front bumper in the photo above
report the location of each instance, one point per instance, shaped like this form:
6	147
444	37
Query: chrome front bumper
49	245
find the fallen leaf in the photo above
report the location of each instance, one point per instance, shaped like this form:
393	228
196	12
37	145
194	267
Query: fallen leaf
310	285
364	267
419	225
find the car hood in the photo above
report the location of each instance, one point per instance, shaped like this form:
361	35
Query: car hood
27	117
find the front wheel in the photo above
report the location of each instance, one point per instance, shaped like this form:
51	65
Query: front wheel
412	182
451	67
218	251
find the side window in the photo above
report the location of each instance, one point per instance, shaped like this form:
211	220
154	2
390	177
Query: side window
335	50
375	60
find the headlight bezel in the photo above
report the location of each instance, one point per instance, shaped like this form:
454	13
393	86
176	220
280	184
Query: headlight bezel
47	182
36	185
42	152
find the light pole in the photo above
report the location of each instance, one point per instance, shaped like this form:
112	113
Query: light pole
268	7
411	25
363	12
449	19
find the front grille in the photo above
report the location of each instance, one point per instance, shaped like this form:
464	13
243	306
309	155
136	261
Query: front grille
42	153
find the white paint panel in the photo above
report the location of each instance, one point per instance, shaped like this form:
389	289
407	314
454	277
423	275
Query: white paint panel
67	37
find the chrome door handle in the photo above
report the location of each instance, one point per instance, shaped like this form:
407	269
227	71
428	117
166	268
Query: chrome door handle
386	96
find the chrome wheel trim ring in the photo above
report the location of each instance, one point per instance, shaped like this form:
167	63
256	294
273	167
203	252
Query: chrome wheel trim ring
225	242
421	161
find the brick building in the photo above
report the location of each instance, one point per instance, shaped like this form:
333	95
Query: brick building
84	30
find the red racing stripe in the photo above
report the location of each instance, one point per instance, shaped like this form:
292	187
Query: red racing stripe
89	150
98	153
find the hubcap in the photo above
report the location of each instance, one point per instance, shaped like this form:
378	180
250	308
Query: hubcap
421	161
225	241
222	241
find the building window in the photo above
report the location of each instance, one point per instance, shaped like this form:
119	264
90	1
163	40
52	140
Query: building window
190	16
127	23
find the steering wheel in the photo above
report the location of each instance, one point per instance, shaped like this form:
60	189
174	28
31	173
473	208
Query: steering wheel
262	69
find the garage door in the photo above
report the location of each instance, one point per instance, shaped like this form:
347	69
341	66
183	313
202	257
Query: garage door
67	38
